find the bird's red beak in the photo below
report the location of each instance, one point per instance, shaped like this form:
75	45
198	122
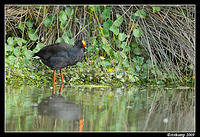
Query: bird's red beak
83	43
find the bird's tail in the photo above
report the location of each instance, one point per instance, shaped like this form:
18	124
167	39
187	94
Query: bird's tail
35	56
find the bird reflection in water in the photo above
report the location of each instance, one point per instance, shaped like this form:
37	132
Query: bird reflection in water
57	107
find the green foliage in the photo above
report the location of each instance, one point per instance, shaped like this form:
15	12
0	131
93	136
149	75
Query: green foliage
106	13
122	36
140	13
115	38
32	34
137	32
156	9
48	21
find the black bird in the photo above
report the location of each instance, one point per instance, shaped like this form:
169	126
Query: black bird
60	55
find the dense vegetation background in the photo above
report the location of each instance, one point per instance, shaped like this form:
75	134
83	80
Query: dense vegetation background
125	44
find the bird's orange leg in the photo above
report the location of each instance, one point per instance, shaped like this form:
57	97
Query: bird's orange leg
81	125
61	87
54	77
61	74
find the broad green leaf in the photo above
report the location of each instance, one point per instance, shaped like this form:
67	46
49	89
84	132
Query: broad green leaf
11	41
137	51
63	24
28	53
38	47
47	22
119	75
106	33
123	55
134	44
9	48
16	51
12	59
138	68
127	49
32	35
140	59
29	23
106	64
123	45
68	11
71	41
62	16
118	21
126	64
122	36
133	78
156	9
106	13
114	29
67	33
137	32
60	40
141	13
21	27
107	24
20	41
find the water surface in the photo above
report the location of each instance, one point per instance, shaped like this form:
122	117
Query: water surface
80	109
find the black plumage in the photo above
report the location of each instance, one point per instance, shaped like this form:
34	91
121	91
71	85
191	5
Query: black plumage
60	55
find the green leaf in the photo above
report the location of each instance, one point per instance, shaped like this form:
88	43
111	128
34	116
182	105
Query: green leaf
29	23
138	68
27	53
106	13
123	45
12	59
68	11
134	17
137	51
32	35
20	41
106	64
62	16
118	21
71	41
127	49
47	22
38	47
107	24
119	75
60	40
9	48
16	51
114	29
11	41
21	27
63	24
141	13
106	33
156	9
137	32
126	63
123	55
122	36
140	59
134	44
67	33
133	78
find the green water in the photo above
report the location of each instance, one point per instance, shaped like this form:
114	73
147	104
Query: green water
86	109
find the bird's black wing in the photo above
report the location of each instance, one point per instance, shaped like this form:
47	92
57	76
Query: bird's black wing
51	50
